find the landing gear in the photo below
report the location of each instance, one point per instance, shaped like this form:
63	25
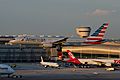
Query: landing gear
46	66
15	76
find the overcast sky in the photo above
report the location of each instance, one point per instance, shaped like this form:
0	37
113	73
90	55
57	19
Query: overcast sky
58	17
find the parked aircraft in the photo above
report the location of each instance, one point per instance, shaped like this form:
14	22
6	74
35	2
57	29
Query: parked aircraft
98	62
49	64
95	38
32	39
6	70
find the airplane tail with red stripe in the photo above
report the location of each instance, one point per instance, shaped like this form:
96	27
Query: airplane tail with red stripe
72	58
97	36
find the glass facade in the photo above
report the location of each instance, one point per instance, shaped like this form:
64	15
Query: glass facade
21	53
93	51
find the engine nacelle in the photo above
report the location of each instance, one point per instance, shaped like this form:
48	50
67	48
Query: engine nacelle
108	64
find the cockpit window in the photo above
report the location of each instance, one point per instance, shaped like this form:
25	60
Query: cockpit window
3	68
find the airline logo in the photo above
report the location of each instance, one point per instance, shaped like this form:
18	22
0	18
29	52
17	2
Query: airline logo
117	61
70	54
101	31
72	58
96	38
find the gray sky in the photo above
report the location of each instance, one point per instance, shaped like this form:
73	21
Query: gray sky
58	17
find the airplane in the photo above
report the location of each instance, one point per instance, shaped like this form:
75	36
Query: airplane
49	64
97	62
30	39
97	36
7	70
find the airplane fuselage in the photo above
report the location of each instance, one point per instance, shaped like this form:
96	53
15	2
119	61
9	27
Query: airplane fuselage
49	64
6	69
106	62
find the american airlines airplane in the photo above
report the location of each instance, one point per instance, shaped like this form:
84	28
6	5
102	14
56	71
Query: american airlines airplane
28	39
49	64
99	62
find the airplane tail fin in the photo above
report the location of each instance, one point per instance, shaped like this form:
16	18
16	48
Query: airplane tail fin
42	59
72	58
97	36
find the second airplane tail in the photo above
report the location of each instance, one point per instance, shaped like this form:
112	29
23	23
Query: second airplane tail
72	58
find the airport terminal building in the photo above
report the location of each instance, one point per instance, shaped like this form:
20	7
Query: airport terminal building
31	53
21	53
94	51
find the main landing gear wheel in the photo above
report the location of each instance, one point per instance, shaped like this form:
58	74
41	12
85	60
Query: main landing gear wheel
15	76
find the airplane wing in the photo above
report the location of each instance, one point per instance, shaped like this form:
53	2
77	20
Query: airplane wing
54	43
105	63
61	41
99	62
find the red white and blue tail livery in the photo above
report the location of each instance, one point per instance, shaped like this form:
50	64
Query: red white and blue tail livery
97	36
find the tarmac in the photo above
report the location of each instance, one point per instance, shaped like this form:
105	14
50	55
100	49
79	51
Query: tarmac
37	72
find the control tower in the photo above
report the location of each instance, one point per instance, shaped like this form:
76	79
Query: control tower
83	31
